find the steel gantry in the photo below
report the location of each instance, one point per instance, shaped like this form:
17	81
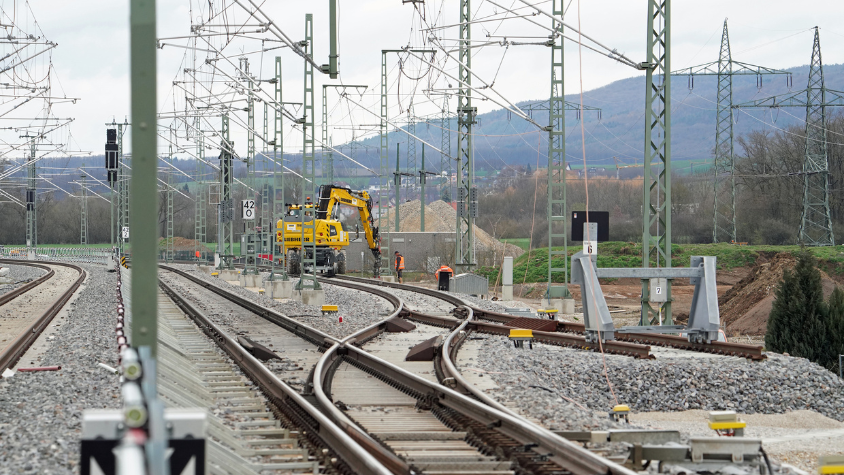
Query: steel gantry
83	210
656	207
384	168
816	219
724	227
251	241
557	235
118	180
169	244
445	150
278	178
31	198
467	198
200	217
308	256
225	209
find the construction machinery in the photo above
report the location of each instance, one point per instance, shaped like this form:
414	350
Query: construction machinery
331	238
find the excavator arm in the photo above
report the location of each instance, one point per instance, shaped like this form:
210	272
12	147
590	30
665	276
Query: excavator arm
331	196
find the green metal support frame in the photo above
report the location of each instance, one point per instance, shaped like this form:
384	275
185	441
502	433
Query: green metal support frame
656	232
31	198
308	281
278	173
200	216
225	210
251	265
83	210
169	244
557	232
464	251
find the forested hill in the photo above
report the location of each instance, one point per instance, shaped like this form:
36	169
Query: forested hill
503	138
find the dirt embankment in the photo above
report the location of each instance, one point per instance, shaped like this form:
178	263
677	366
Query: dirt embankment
745	307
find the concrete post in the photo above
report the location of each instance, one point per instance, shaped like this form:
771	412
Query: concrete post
507	279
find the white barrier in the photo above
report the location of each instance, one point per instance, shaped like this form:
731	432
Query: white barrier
88	255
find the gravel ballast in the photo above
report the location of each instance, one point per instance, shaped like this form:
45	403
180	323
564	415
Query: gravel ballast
776	385
358	309
20	275
41	412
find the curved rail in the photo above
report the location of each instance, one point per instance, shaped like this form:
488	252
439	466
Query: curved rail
323	340
753	352
29	285
13	352
558	338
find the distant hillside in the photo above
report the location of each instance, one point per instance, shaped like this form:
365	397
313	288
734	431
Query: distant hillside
502	139
620	129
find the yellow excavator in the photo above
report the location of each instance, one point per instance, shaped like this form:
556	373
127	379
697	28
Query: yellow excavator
331	239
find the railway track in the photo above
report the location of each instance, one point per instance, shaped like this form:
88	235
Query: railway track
631	344
26	311
429	428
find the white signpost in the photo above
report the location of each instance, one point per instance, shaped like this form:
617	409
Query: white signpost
247	208
124	232
590	239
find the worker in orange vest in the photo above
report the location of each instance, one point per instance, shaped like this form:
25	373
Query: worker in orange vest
443	285
399	266
443	268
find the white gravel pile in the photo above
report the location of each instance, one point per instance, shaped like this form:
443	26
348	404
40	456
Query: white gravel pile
41	412
776	385
20	275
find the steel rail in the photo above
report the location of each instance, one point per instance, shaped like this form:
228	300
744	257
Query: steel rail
486	411
29	285
18	347
753	352
554	338
323	340
284	397
540	441
317	337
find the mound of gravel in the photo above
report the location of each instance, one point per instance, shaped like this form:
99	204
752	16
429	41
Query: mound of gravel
41	412
20	275
776	385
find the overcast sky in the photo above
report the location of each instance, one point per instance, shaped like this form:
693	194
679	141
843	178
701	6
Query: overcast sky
92	59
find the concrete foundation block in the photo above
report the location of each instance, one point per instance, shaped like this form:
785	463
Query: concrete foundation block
312	297
282	289
563	306
250	280
507	293
207	269
388	278
229	274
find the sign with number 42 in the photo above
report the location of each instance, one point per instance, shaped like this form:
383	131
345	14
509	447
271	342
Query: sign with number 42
247	208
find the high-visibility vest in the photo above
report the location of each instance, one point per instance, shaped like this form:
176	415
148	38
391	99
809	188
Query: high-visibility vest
443	269
400	262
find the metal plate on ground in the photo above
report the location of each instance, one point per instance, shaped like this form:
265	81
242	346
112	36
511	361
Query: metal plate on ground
537	324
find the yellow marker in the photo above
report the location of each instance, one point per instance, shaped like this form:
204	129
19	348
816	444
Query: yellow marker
329	309
621	408
831	465
727	425
519	333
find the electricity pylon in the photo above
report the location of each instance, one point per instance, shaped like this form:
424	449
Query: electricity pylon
816	220
724	225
